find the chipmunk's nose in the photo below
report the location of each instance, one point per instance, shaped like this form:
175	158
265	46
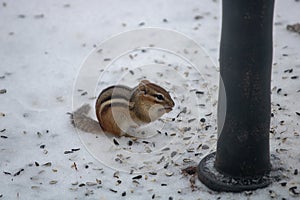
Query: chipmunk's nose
172	104
168	109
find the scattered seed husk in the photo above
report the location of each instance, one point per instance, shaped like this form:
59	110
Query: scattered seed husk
22	16
191	150
53	182
18	172
173	134
294	27
118	160
84	93
166	165
199	146
115	142
288	71
169	174
39	16
187	138
272	194
293	190
148	150
186	129
91	183
3	91
165	149
116	174
283	184
136	182
209	114
279	90
74	166
173	154
191	120
118	182
197	17
183	111
47	164
81	185
98	181
296	172
161	159
137	177
199	92
112	190
75	183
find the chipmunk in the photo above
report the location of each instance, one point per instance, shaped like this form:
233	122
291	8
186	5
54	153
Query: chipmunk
120	108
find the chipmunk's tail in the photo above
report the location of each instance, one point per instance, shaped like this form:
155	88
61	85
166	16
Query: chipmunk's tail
80	120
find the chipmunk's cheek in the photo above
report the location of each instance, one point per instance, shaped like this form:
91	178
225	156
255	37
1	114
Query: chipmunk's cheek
156	111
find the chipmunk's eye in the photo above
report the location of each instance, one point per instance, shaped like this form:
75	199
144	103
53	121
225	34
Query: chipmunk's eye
159	97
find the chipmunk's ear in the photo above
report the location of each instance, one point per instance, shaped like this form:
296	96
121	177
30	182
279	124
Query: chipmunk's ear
143	86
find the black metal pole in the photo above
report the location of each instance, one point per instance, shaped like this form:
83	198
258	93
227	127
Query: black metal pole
243	156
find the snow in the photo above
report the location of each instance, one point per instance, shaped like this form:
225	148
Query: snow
44	45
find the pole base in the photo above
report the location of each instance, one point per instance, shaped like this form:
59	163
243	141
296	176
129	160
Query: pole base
214	180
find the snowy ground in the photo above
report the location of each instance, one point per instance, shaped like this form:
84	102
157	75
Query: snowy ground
43	46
